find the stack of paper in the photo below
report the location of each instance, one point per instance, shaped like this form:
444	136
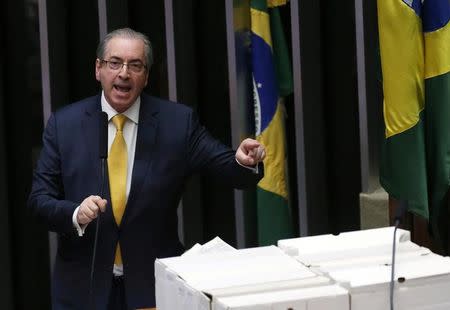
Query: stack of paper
195	281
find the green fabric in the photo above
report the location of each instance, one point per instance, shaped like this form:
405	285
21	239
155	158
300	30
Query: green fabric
281	54
415	164
403	168
260	5
274	218
437	120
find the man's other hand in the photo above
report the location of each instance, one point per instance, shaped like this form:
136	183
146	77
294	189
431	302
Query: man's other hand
250	152
89	209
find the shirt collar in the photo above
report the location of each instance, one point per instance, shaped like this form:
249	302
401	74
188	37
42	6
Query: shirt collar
132	113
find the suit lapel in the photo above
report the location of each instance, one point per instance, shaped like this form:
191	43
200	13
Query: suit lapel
145	141
90	125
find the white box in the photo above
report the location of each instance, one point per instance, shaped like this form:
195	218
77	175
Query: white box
348	241
268	287
425	284
376	255
189	282
242	267
313	298
349	271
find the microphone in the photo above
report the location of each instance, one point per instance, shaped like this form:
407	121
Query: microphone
400	212
103	135
103	155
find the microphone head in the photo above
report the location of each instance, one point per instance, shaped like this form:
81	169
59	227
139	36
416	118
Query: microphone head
400	210
103	135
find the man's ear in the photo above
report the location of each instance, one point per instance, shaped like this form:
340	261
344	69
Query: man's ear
98	65
146	78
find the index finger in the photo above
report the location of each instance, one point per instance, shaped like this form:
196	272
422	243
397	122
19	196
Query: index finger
251	144
102	204
96	198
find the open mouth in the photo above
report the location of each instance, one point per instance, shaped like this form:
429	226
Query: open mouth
122	89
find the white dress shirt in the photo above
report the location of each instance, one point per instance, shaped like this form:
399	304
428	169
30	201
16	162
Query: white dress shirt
130	134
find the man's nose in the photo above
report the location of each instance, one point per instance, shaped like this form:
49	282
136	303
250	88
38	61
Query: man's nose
123	73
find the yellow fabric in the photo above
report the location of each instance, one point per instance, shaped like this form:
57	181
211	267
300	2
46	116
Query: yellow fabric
117	169
260	22
241	18
274	180
274	3
437	47
402	61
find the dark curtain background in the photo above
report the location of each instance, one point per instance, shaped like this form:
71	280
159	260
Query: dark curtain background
341	114
24	256
330	116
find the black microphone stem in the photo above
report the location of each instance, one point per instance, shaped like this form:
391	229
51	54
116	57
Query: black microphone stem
103	155
391	291
400	213
94	251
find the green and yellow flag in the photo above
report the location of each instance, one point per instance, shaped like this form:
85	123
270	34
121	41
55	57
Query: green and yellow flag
272	79
415	59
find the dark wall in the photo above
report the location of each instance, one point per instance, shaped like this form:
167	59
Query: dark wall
341	114
374	87
24	253
329	100
72	41
213	98
314	123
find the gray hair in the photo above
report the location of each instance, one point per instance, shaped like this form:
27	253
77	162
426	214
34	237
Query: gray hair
129	34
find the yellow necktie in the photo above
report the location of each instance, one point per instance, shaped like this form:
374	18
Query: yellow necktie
117	169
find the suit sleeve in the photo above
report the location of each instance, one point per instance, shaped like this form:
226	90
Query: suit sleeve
206	154
46	199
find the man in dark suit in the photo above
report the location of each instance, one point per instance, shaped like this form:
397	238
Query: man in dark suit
154	145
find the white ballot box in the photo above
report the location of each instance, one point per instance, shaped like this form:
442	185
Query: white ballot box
348	271
363	257
380	255
194	282
421	283
312	298
347	242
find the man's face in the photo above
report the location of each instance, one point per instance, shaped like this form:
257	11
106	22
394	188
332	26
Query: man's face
122	86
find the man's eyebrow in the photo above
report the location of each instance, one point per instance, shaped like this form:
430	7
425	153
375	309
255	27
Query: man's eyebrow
120	59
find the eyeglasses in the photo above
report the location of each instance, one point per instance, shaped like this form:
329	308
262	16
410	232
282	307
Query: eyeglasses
135	66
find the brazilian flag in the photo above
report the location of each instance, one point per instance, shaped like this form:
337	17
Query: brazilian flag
415	58
272	79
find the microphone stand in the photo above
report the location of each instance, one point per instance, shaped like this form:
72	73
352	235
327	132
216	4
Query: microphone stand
399	214
391	287
94	250
103	152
